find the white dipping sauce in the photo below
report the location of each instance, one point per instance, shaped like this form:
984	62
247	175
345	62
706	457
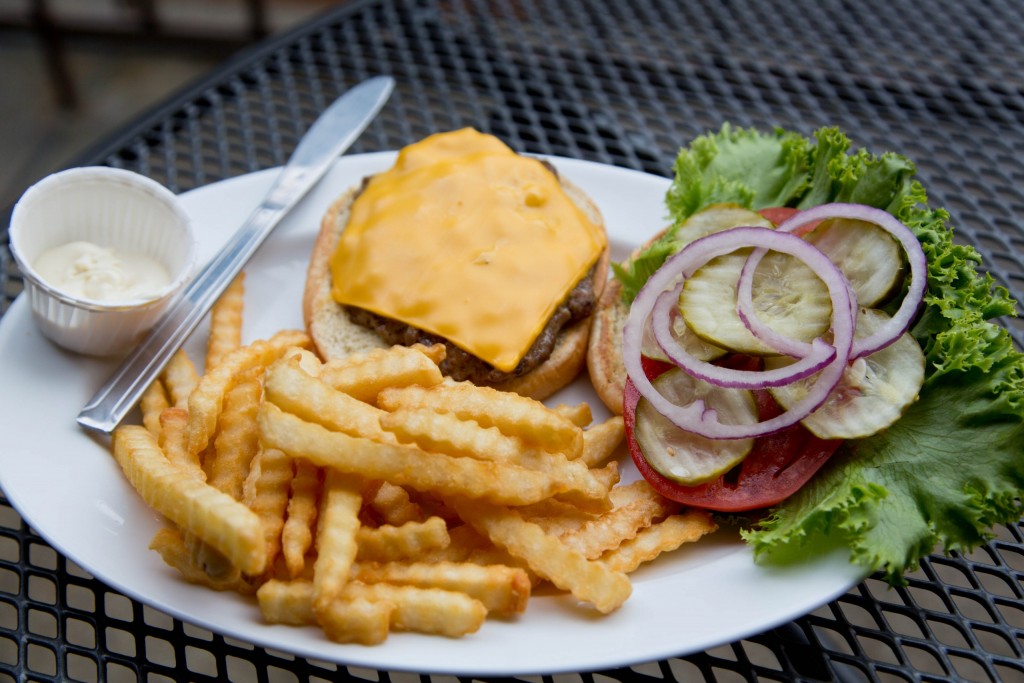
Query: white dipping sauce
88	271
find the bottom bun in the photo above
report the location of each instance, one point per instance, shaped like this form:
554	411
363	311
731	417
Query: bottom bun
604	354
336	336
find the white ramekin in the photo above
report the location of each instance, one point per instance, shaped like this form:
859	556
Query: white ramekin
109	207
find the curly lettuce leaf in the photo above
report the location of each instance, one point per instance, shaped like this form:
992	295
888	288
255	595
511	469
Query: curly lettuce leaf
740	166
954	329
952	467
942	476
858	178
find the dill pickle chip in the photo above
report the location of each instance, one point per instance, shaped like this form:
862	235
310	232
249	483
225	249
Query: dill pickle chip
787	296
682	456
873	392
866	254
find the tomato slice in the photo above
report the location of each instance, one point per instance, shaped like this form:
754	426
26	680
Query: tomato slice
778	466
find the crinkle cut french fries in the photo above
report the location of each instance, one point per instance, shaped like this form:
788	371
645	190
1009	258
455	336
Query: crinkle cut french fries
372	495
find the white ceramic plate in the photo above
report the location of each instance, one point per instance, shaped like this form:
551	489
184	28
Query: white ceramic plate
67	487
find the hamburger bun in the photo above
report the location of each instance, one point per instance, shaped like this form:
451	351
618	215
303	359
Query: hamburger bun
604	352
336	335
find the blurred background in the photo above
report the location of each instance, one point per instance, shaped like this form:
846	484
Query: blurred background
75	70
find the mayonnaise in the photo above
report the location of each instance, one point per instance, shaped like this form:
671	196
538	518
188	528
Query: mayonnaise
85	270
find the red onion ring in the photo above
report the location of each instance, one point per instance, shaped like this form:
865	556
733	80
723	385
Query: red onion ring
788	346
695	417
885	335
821	354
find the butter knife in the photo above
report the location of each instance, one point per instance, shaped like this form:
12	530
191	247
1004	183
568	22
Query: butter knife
329	136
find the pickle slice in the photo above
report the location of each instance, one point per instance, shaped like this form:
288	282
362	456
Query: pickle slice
866	254
685	457
787	296
717	217
873	392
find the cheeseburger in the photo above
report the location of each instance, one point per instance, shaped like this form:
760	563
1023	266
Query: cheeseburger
465	243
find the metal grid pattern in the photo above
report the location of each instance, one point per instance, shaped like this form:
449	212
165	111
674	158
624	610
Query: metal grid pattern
623	83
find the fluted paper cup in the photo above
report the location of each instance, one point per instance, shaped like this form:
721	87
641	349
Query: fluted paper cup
111	208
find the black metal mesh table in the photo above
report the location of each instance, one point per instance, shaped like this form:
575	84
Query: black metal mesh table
623	83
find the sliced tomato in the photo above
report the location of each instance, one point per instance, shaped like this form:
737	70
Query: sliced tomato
776	468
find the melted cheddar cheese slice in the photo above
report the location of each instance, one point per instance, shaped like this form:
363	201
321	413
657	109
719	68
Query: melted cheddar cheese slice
468	240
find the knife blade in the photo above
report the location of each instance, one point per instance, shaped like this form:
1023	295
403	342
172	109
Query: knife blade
330	135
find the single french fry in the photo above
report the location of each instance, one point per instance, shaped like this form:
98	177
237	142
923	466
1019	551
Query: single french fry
424	610
387	543
300	517
195	506
364	375
392	504
357	620
206	400
579	414
173	442
402	465
291	388
287	602
180	378
546	555
336	537
501	589
237	440
601	440
664	536
448	433
511	413
267	494
344	621
153	402
226	323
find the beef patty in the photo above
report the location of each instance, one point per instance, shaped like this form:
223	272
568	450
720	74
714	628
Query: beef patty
462	365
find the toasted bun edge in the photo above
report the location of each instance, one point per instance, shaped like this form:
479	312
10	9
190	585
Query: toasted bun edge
604	352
